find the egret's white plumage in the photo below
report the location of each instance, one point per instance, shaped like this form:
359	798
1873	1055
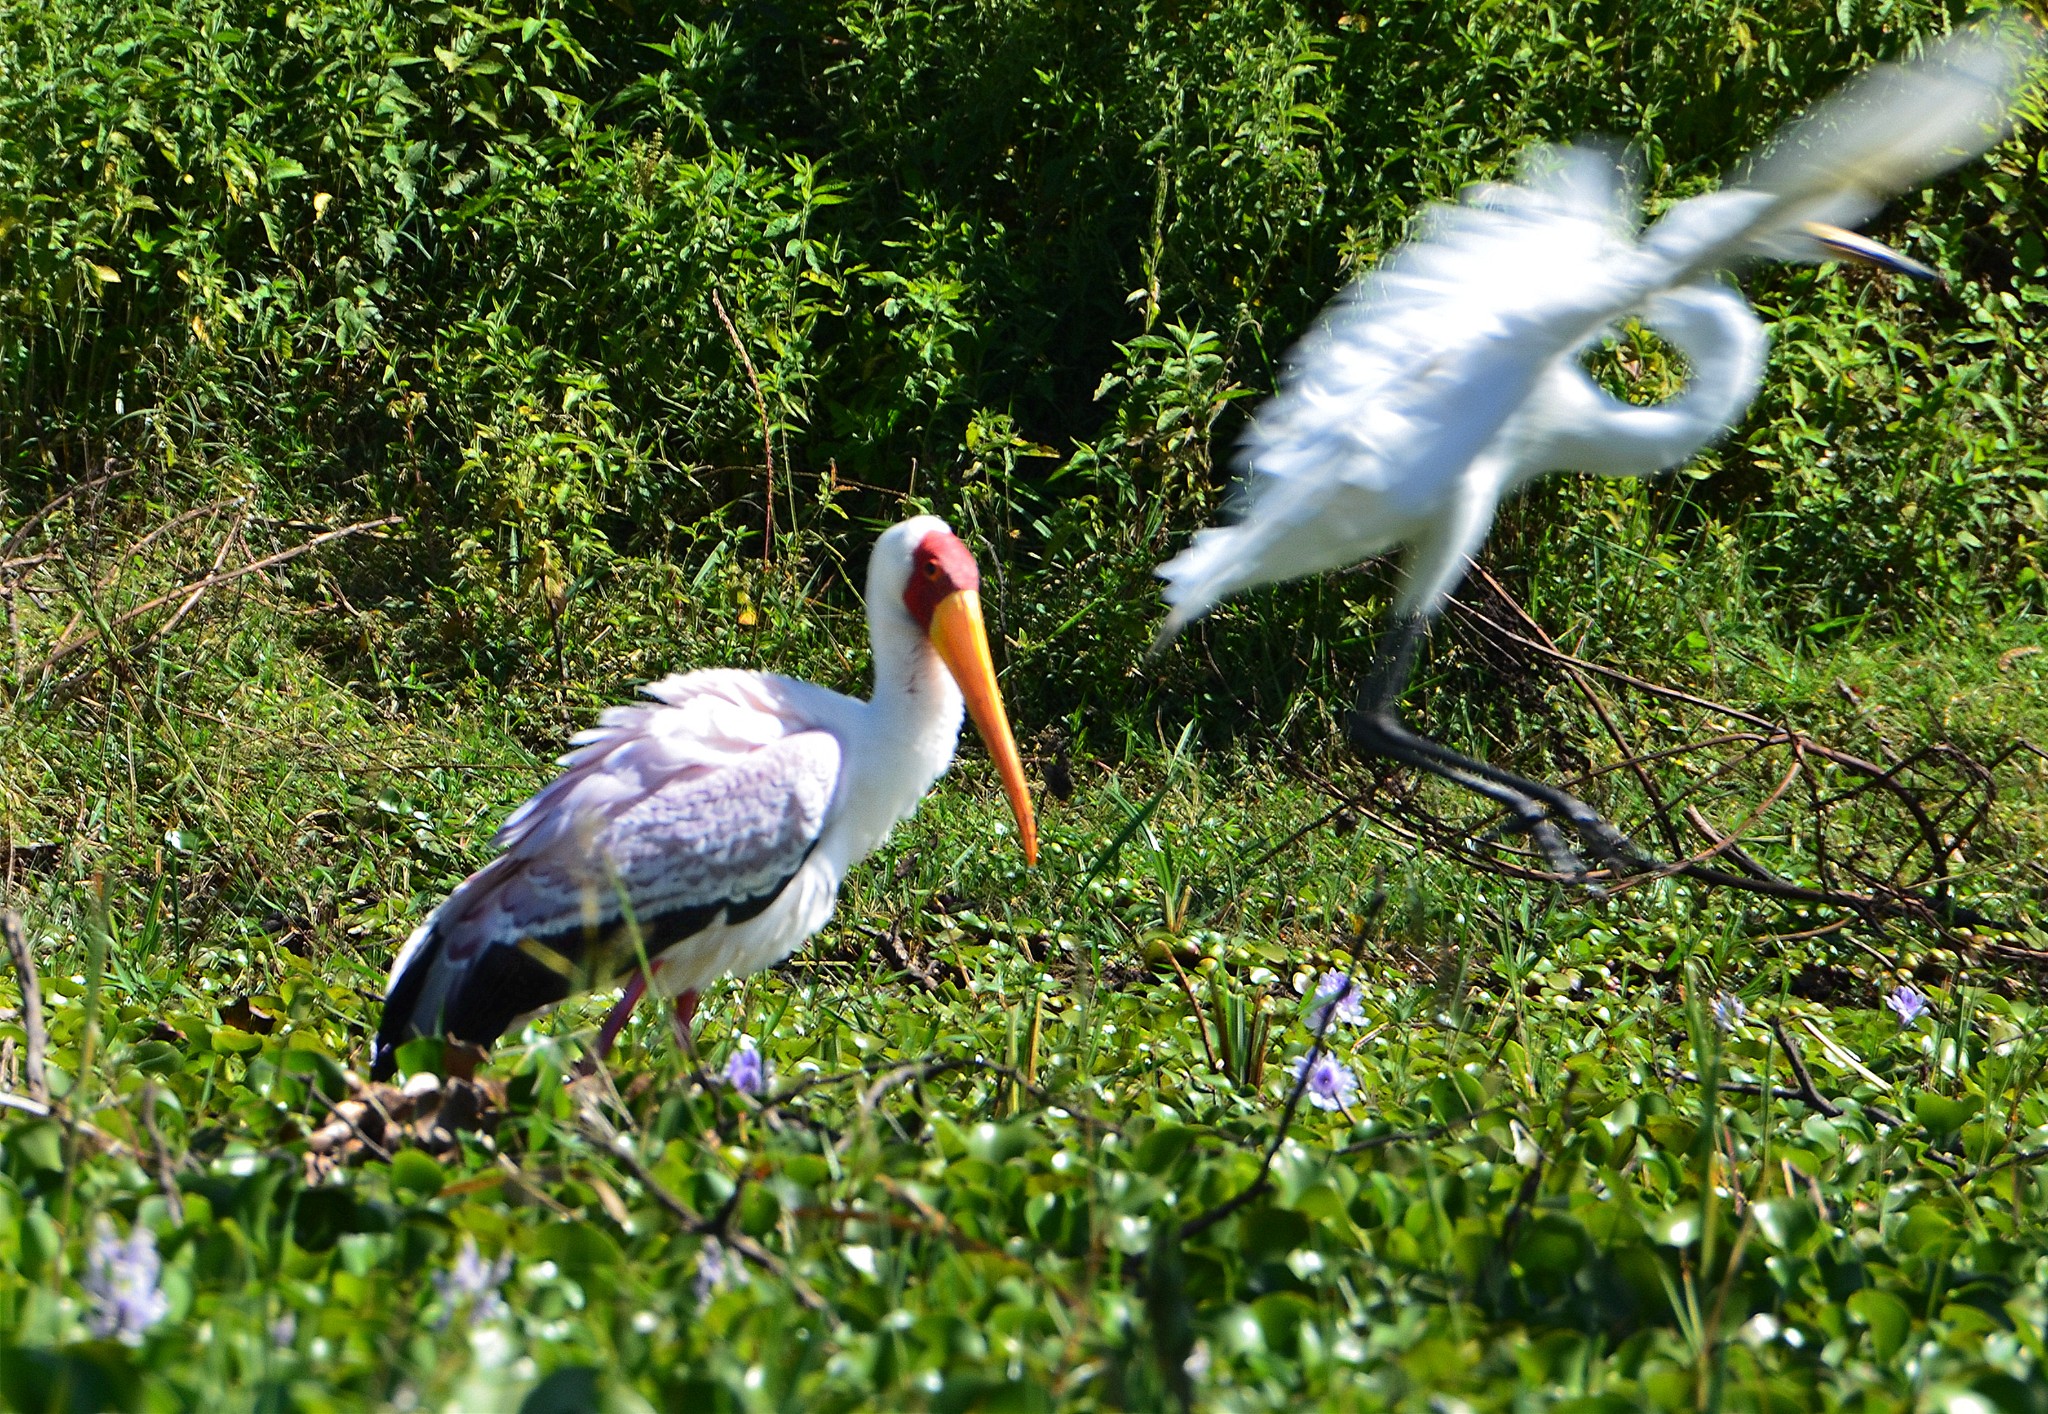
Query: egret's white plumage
721	818
1449	376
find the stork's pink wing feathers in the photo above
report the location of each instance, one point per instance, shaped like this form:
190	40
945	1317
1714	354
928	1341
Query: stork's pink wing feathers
697	808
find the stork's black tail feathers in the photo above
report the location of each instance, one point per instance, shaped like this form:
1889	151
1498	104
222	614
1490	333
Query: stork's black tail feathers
472	999
401	1002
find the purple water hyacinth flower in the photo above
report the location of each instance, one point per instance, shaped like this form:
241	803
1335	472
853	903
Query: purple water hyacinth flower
1330	1081
476	1281
714	1269
1908	1003
746	1072
121	1280
1728	1011
1341	1000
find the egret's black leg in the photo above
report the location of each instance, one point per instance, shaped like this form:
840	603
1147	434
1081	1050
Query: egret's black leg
1375	728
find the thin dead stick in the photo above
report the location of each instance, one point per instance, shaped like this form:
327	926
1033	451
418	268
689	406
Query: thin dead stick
1194	1010
134	551
1876	1114
1807	933
1672	839
1739	857
219	558
1903	905
21	532
66	649
531	1188
1439	837
1636	763
1877	775
29	562
1807	1092
1722	846
917	1072
33	1074
767	440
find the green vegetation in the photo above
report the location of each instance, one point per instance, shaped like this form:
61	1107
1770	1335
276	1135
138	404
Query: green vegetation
531	295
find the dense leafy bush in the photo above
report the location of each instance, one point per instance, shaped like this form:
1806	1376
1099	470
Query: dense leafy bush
1017	262
554	283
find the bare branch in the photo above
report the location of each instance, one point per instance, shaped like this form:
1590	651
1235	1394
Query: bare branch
73	645
33	1068
767	440
1202	1222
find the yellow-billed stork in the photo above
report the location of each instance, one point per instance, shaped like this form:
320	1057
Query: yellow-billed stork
709	833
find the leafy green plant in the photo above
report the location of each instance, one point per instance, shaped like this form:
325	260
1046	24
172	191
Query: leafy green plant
384	388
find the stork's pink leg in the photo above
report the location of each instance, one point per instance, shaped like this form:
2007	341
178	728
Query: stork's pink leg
685	1017
616	1022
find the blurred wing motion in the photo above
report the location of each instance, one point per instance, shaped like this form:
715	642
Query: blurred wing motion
1388	404
1448	377
1892	130
1408	410
696	814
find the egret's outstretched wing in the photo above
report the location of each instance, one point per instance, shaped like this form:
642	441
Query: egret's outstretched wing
1444	378
1386	403
682	815
1892	129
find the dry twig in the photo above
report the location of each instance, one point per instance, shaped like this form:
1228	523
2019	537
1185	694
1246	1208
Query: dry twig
166	1172
69	645
1202	1222
33	1071
1913	882
767	440
600	1131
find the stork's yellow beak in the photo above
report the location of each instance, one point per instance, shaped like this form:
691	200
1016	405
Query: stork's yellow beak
962	644
1865	251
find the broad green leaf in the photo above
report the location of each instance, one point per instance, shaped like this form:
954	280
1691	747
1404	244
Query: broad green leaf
1678	1227
1944	1114
1787	1222
416	1174
1885	1315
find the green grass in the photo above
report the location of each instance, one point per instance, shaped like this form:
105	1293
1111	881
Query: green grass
1024	265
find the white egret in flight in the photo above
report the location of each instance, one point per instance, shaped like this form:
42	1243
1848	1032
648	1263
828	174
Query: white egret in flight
1449	377
708	834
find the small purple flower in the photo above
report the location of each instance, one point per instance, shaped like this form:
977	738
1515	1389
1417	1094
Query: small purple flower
1908	1003
121	1280
714	1270
1341	1000
746	1072
1728	1011
476	1281
1330	1081
284	1331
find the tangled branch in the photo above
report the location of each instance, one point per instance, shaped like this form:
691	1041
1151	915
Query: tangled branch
1884	836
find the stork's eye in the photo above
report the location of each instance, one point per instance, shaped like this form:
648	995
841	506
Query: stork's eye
931	569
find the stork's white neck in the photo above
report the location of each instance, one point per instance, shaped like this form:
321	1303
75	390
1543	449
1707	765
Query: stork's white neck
915	699
897	742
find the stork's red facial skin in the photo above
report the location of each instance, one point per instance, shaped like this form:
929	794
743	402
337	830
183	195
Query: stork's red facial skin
940	566
944	597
